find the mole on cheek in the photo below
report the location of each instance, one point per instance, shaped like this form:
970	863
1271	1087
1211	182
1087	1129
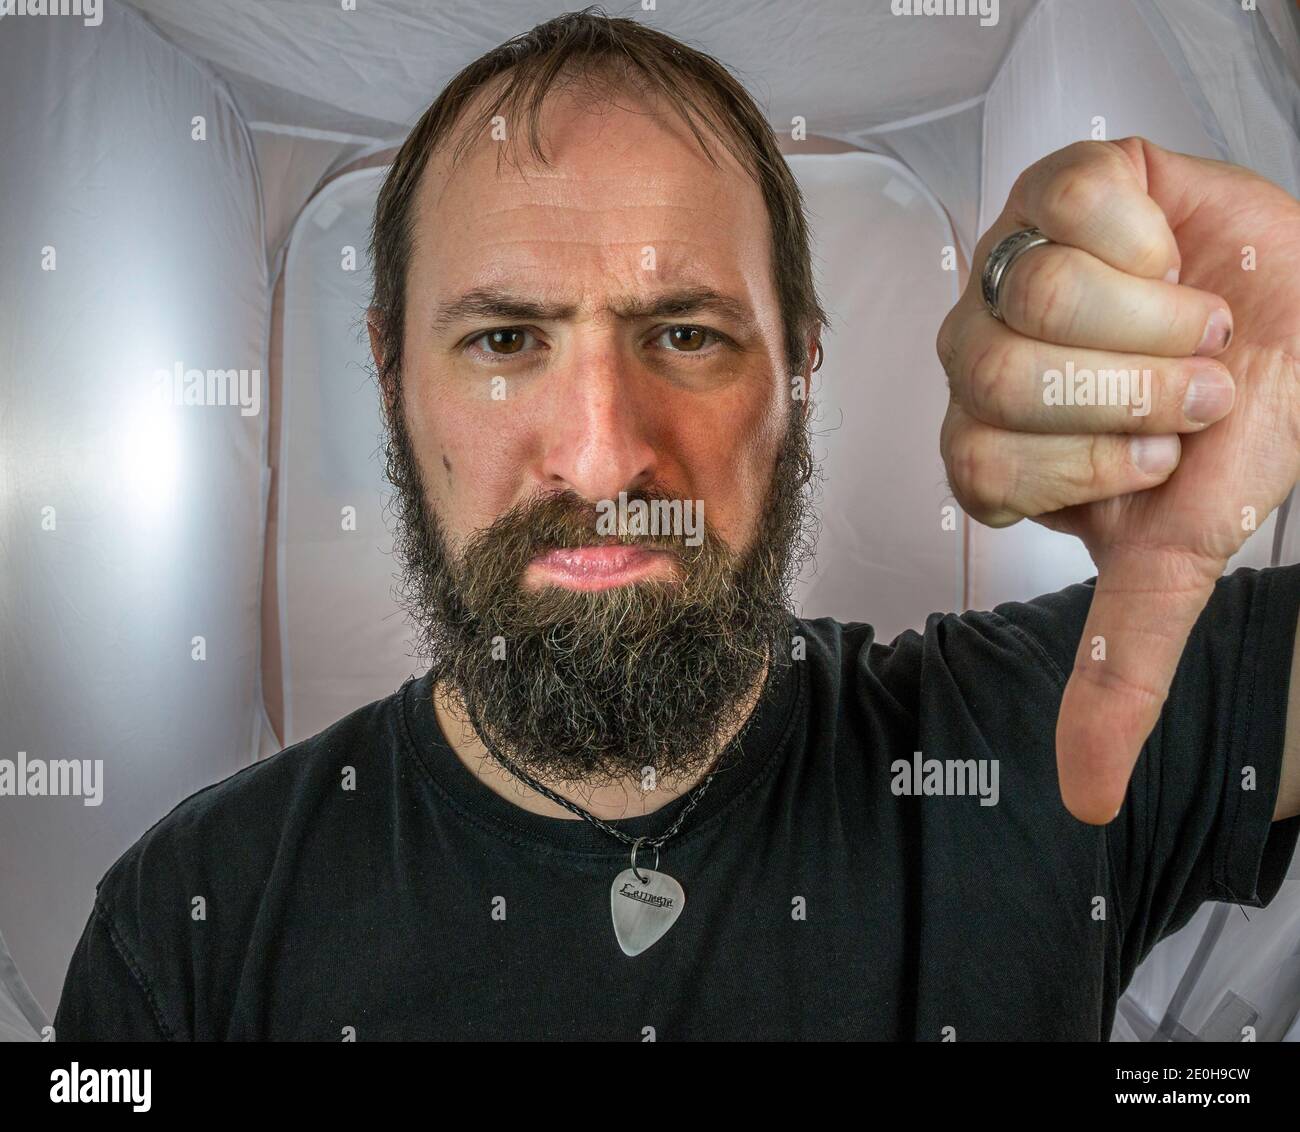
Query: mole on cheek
447	464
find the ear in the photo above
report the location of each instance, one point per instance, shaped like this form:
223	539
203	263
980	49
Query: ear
375	327
813	364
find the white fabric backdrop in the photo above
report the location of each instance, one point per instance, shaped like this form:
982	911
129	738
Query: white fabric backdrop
158	511
844	65
343	642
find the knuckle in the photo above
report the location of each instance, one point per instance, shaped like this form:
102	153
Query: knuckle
945	343
1166	314
1130	142
1047	294
1060	162
984	374
976	473
1089	151
1082	473
1149	250
1091	471
1075	193
949	427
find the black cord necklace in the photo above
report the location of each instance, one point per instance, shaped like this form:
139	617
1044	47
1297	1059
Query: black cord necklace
644	903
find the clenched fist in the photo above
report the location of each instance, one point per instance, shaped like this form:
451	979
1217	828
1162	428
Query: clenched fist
1143	393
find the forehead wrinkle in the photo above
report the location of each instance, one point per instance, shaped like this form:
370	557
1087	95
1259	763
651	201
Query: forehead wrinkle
480	175
498	302
606	207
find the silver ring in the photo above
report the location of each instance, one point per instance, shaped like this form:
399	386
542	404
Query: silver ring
1000	259
635	846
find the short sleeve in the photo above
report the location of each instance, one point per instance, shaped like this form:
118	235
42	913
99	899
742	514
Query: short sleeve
1196	824
105	997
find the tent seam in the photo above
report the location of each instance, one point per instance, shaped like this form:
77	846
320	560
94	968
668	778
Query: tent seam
925	118
222	88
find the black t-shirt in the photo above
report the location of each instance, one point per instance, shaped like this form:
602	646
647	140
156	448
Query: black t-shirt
364	883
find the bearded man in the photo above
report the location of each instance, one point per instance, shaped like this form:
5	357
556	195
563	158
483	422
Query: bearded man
635	796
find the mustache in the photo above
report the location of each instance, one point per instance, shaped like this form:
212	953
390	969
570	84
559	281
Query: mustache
563	520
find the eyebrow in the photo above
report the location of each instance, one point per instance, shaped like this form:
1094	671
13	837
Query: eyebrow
493	302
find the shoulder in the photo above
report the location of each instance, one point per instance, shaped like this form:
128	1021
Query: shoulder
230	832
1016	644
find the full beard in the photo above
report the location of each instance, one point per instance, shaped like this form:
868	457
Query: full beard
595	687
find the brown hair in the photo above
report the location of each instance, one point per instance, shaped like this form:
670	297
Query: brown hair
591	45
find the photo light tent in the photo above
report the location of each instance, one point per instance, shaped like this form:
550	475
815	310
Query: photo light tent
190	185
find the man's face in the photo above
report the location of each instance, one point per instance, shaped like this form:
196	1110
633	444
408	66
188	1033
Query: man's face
603	324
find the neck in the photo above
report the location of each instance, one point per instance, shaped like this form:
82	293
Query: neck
608	801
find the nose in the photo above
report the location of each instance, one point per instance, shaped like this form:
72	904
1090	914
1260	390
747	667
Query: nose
600	433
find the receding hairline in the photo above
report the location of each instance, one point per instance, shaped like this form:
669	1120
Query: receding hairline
594	86
467	137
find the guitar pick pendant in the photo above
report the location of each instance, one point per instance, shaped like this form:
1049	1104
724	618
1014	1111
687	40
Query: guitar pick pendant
645	904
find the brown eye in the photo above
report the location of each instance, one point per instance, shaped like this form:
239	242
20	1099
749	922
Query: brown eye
687	339
504	341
